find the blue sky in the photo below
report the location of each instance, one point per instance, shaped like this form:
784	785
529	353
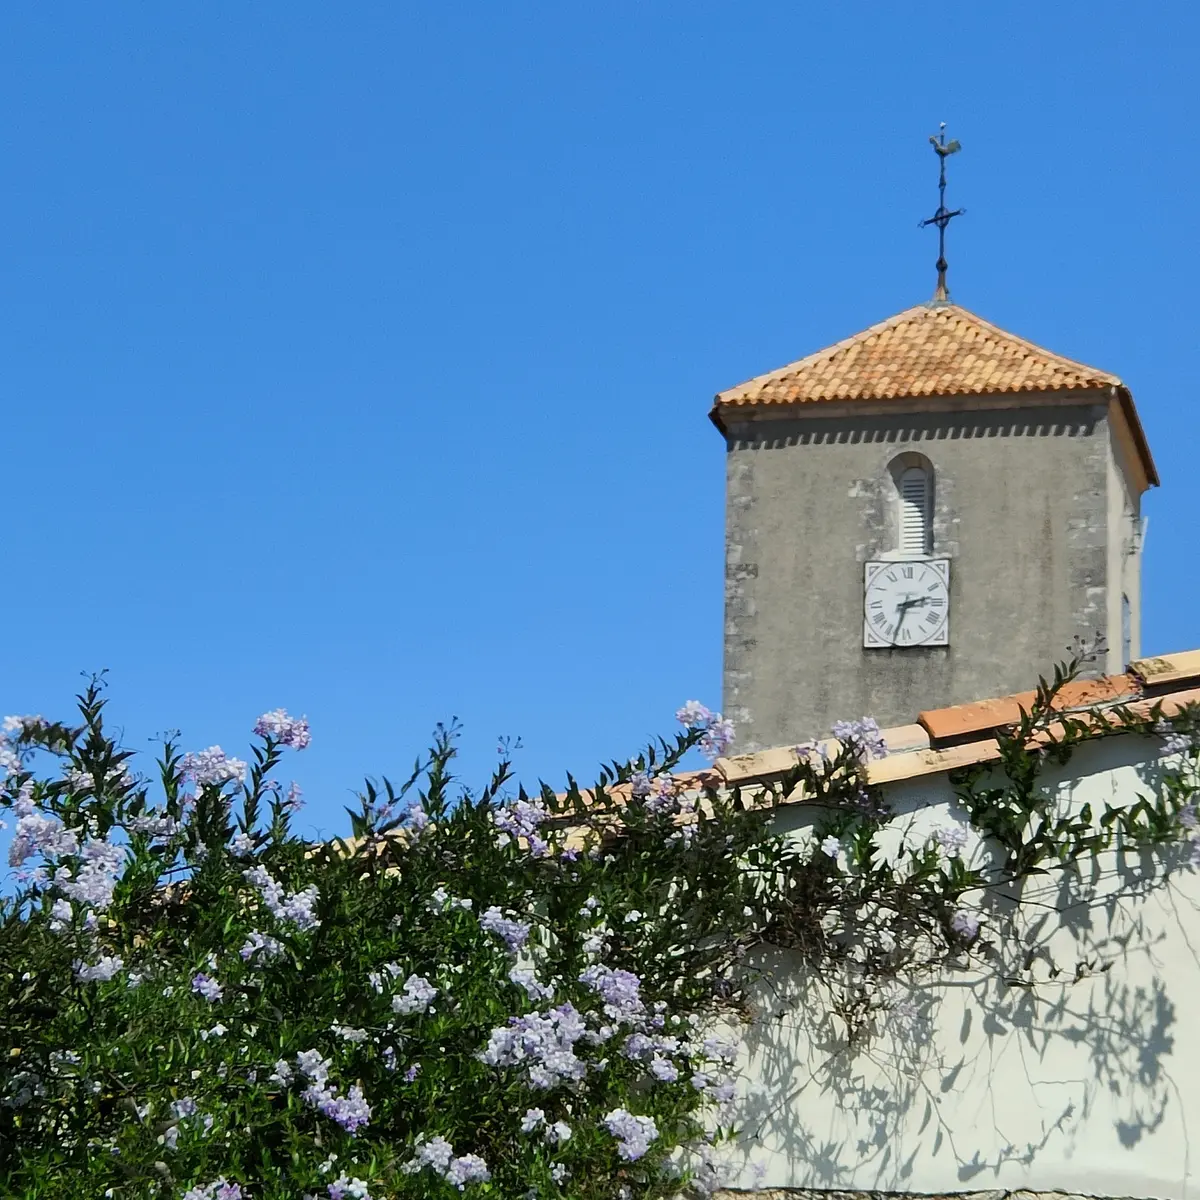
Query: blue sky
356	358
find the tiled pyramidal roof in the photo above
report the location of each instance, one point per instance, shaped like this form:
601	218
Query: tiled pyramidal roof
930	350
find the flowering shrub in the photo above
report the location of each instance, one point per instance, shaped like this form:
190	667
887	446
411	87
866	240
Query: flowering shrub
468	996
474	994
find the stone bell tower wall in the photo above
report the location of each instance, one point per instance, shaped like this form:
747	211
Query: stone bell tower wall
1020	507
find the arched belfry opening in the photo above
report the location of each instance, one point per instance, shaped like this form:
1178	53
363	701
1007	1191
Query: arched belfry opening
912	478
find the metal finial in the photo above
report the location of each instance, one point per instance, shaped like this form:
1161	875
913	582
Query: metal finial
943	216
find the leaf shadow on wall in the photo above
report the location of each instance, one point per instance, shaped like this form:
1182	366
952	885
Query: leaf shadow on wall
1064	1036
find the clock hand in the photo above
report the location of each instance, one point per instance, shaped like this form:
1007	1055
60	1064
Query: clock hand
903	607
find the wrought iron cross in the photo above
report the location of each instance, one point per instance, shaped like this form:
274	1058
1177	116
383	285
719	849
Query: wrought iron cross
943	216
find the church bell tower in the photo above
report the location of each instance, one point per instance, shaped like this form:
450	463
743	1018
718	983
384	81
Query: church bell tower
924	514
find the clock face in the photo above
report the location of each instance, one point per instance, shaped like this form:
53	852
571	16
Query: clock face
907	603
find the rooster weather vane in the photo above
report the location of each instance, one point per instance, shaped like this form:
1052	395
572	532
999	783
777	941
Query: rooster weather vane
943	216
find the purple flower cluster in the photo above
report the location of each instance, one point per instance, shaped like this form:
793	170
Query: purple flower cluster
155	825
440	899
966	924
350	1111
1176	743
541	1042
863	737
620	991
36	833
522	818
693	713
100	971
662	797
206	986
282	729
293	908
291	801
219	1189
525	978
212	768
10	763
23	727
810	751
259	949
717	734
633	1134
640	1047
79	780
346	1188
663	1069
438	1155
241	844
61	914
101	864
718	737
186	1109
555	1134
658	793
514	934
417	996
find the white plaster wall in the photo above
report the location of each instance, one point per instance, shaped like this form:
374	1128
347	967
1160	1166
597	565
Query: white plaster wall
1084	1086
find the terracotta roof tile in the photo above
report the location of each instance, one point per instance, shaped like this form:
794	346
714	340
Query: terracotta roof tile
779	760
969	727
1167	668
929	350
964	720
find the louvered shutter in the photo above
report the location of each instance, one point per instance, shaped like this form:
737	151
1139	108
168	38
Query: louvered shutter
914	511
